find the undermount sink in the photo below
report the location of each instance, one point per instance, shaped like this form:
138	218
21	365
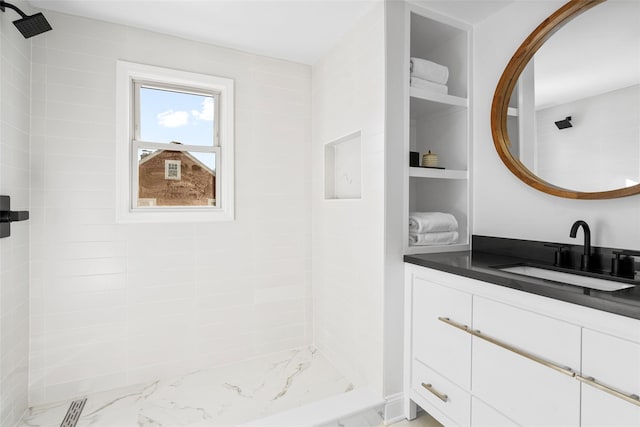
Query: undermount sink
572	279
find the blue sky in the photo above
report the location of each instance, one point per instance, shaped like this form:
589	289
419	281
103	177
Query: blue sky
167	116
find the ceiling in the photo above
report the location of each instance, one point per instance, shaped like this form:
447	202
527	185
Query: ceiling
296	30
470	11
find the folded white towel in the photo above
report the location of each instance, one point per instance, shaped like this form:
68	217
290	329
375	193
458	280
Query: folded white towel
426	239
430	86
429	70
431	222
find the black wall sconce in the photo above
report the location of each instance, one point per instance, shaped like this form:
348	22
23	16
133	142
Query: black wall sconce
7	216
563	124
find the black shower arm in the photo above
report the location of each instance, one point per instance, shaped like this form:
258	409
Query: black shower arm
10	6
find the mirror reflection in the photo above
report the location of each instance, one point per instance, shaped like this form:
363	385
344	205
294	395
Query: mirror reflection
574	117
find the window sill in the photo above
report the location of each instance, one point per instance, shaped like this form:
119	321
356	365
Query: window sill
173	215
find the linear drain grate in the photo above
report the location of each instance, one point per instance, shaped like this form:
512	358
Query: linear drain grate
73	413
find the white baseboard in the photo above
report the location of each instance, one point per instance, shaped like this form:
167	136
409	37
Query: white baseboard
394	408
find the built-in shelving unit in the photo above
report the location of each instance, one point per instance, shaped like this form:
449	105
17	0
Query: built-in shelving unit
439	123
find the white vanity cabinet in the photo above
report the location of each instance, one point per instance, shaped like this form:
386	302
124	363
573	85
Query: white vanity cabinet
504	357
615	364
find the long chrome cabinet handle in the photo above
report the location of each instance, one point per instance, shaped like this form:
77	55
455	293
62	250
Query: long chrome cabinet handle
476	333
439	395
631	398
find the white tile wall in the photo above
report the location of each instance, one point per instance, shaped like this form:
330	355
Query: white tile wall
117	304
348	235
15	54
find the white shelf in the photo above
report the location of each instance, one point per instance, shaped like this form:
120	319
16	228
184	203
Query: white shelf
410	250
441	98
438	173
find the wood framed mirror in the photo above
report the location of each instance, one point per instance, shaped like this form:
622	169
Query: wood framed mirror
516	81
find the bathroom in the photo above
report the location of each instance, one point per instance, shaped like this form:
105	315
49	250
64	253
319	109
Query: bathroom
92	301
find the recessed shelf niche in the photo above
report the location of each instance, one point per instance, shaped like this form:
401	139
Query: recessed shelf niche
343	168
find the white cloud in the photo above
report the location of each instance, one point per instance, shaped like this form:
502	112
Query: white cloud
173	119
207	110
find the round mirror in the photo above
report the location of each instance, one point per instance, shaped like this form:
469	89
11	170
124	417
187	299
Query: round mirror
566	113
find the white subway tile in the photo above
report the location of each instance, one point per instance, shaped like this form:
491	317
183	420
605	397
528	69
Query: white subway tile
89	283
276	294
159	310
163	277
171	292
84	250
82	318
65	302
81	232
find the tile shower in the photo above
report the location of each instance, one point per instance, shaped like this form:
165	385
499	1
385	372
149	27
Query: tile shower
135	316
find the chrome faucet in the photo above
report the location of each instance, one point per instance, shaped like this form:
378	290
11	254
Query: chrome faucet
584	259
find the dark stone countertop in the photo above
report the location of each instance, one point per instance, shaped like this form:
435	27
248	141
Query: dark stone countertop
479	265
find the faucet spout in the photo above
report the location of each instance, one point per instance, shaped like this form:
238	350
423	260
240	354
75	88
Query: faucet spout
584	260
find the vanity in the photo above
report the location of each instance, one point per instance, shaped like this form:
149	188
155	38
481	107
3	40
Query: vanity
489	347
508	332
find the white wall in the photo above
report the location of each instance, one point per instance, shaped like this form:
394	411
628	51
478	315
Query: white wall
504	206
15	70
348	235
395	158
117	304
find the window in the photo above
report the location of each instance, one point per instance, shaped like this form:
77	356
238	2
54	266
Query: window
171	170
175	145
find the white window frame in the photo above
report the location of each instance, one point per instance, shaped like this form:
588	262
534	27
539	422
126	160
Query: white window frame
127	75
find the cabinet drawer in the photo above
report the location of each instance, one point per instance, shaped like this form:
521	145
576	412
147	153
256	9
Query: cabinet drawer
437	345
615	363
441	393
524	390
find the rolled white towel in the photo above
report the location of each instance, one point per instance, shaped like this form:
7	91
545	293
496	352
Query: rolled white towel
426	239
430	86
432	222
428	70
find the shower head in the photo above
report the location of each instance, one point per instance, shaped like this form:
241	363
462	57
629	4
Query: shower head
563	124
28	25
32	25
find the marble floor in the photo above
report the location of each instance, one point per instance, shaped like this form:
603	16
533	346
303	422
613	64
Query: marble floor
223	396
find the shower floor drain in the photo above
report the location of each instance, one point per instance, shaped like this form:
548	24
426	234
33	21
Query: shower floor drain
73	413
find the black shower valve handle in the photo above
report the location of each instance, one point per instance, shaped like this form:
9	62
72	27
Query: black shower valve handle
7	216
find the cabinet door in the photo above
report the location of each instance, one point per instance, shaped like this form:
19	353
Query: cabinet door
444	349
615	363
525	391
